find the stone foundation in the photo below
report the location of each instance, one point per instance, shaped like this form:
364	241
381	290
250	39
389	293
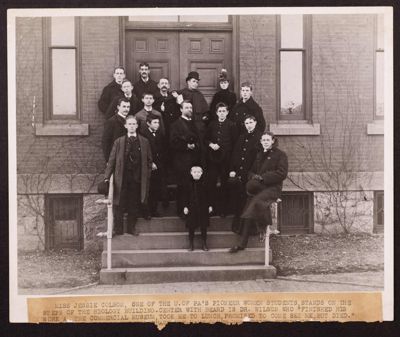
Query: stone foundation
338	212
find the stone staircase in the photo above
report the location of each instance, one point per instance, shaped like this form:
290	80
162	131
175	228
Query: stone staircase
159	255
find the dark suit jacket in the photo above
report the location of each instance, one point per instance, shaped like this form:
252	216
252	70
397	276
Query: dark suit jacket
112	108
111	90
182	134
114	128
171	109
141	87
158	147
116	165
250	107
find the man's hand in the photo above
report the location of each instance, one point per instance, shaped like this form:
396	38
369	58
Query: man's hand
214	146
257	177
153	167
210	209
232	174
191	146
179	99
185	210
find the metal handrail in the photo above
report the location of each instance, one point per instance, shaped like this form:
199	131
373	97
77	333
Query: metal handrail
110	219
269	231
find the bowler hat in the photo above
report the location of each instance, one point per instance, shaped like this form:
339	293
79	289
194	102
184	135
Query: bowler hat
193	74
254	187
103	187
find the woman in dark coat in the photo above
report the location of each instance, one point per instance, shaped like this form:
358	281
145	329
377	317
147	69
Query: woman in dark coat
196	206
263	187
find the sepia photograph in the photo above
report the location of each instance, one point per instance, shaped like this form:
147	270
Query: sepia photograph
233	151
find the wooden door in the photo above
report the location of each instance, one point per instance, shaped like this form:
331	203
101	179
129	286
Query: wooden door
207	53
159	49
175	53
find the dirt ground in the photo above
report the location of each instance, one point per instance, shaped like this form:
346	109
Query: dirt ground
292	255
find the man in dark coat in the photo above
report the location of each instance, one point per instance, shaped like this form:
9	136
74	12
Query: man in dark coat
247	106
263	187
196	206
165	103
127	92
144	84
186	146
199	103
224	95
158	145
243	156
219	140
111	90
114	127
130	161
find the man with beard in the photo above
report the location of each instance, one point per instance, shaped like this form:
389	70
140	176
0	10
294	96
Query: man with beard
165	103
111	90
247	106
127	92
186	146
144	84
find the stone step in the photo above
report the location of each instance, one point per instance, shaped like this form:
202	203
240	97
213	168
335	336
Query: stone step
176	224
177	240
183	258
186	274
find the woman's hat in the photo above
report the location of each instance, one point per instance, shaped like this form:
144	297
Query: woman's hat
193	74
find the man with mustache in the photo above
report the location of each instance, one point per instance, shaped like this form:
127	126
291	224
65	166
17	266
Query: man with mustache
166	104
144	84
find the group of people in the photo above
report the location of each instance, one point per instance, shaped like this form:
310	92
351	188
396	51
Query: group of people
150	131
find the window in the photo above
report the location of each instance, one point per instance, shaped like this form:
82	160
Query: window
294	85
63	222
293	67
379	67
62	78
379	212
295	213
180	18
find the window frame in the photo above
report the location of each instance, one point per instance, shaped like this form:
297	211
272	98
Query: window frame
48	116
379	228
307	80
310	199
376	50
49	208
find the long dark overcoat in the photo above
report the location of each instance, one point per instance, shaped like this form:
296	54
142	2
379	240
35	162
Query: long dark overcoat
116	164
197	201
111	90
272	166
114	128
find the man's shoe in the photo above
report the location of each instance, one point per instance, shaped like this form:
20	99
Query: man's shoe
147	217
191	247
235	249
155	214
205	248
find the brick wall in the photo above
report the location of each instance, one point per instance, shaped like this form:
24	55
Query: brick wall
342	90
99	55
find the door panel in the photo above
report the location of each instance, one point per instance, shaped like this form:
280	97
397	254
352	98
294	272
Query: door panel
159	49
207	53
174	54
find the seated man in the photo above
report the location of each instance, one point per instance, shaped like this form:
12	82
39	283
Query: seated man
263	187
130	161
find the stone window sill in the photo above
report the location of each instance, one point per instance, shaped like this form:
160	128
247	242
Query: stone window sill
375	128
303	129
62	129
